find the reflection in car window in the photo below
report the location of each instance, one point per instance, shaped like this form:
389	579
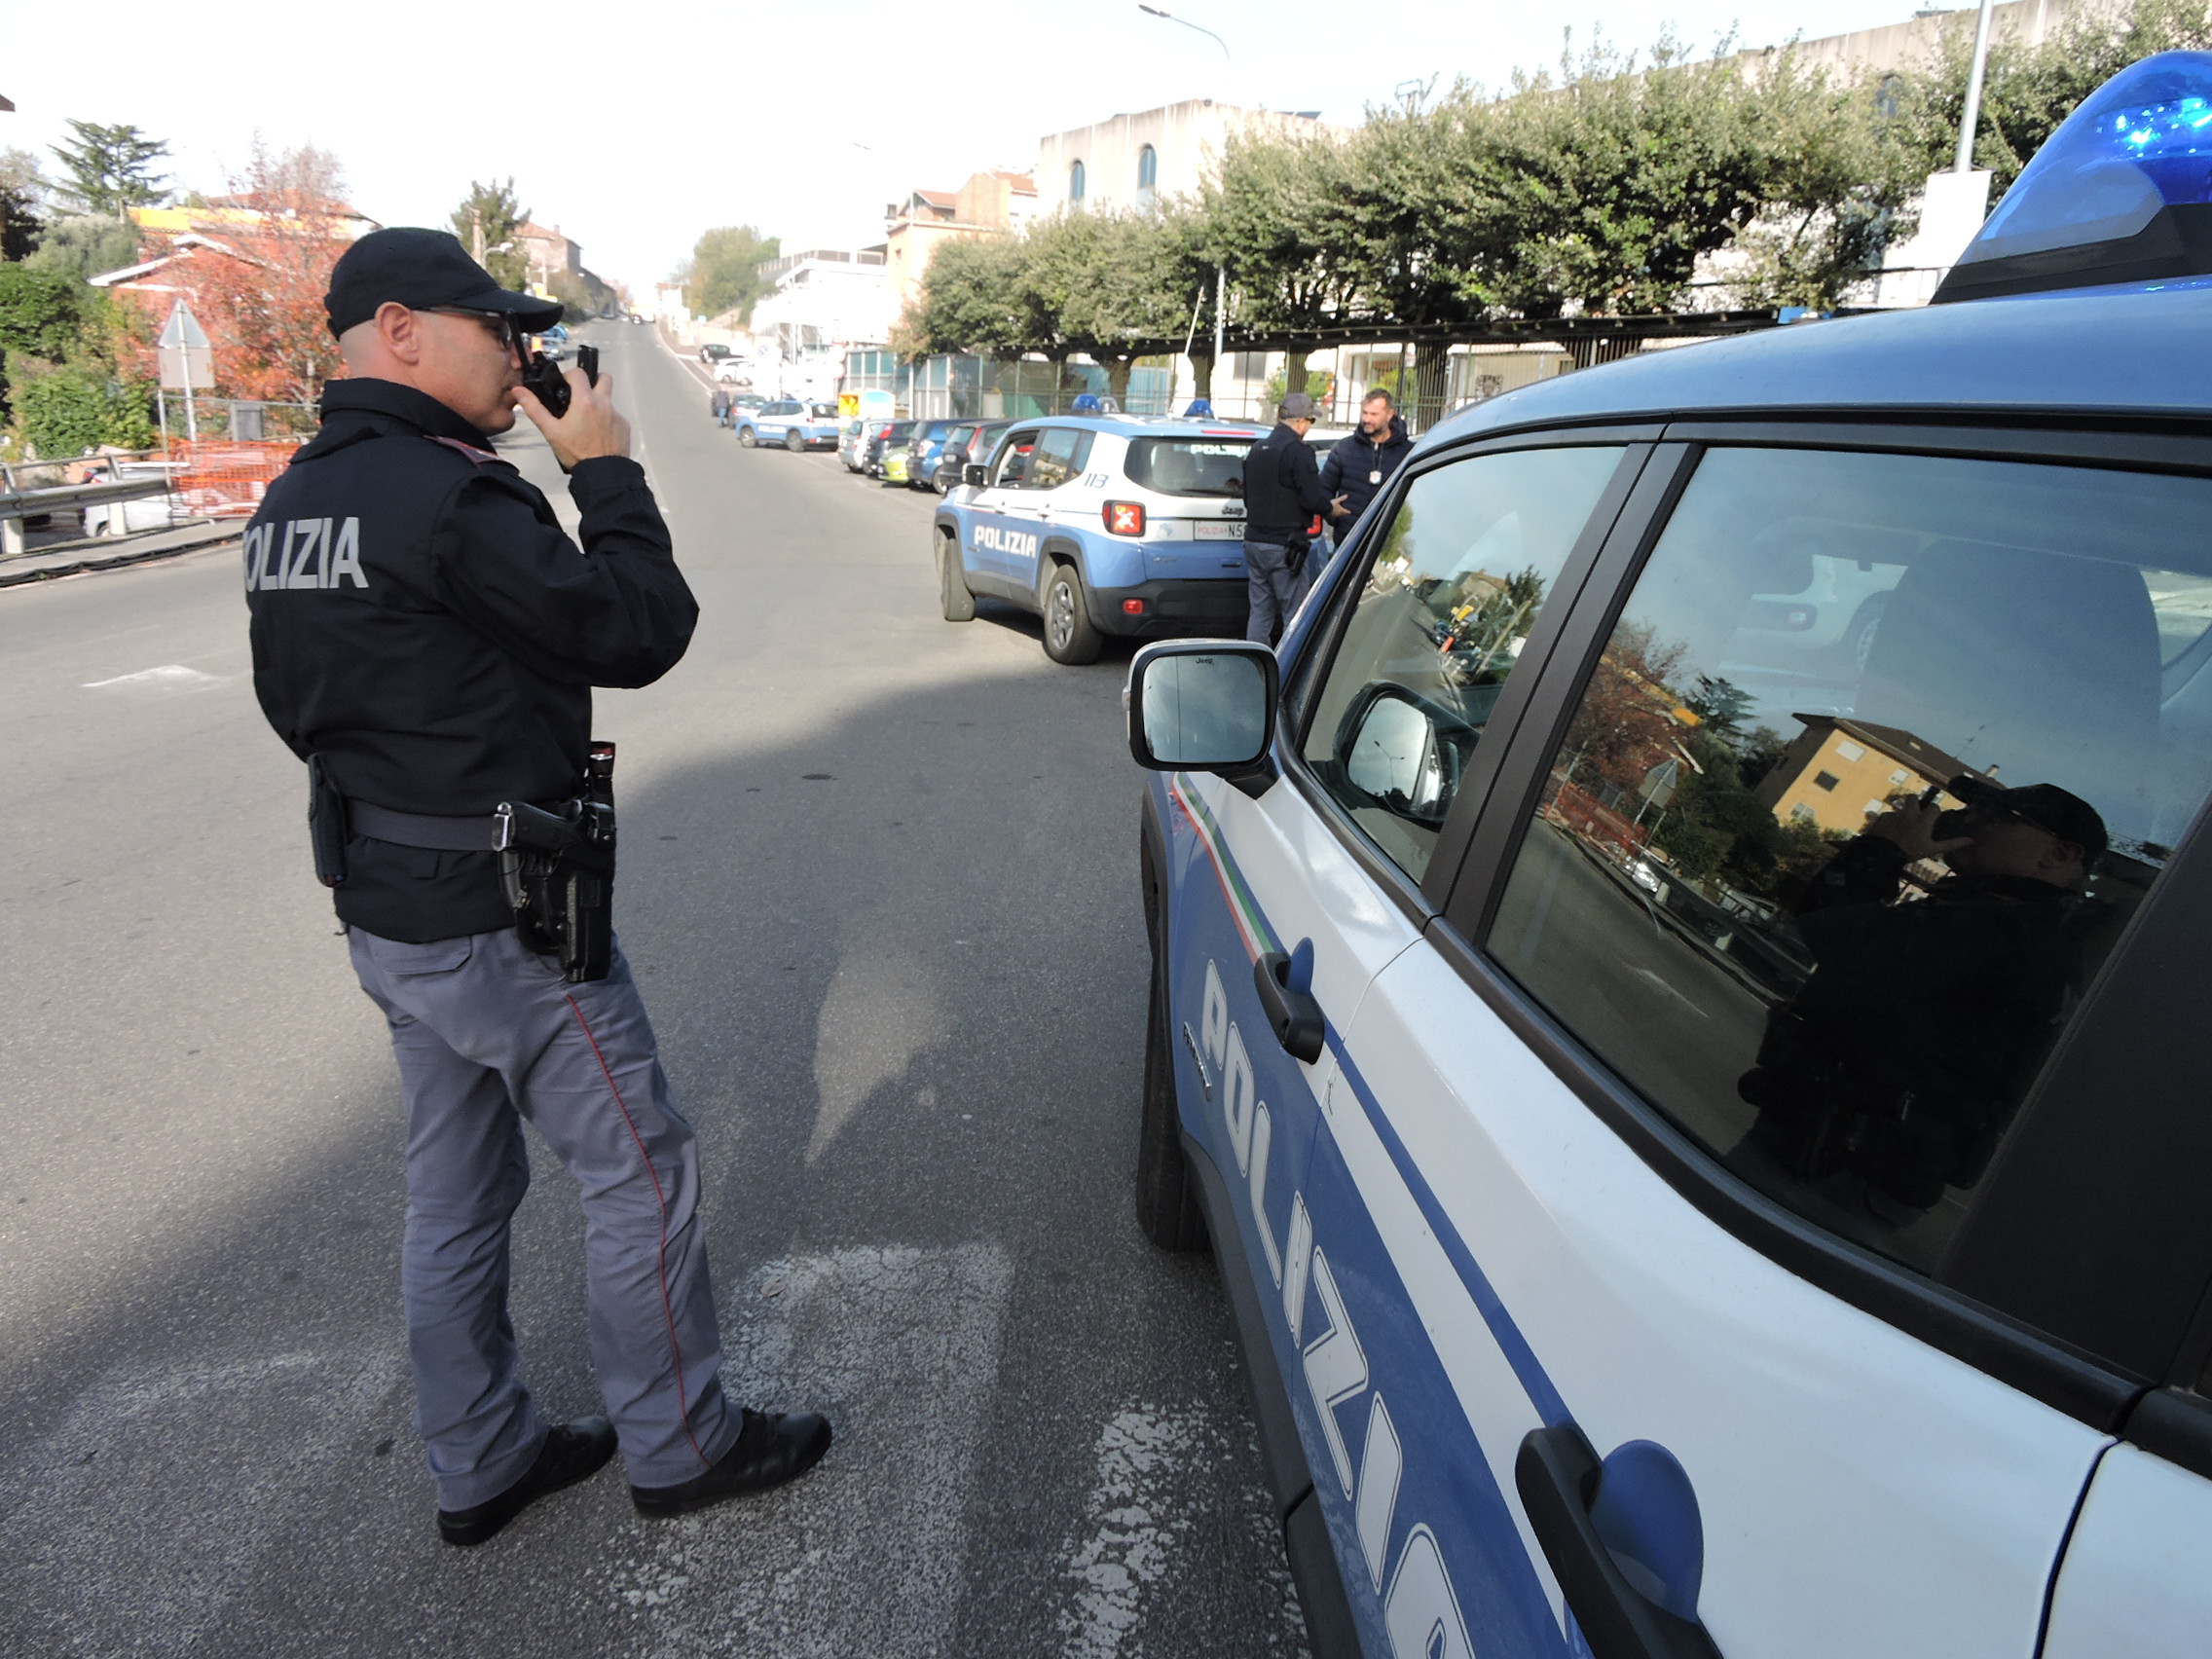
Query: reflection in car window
1061	455
1189	466
1826	900
1014	461
1448	603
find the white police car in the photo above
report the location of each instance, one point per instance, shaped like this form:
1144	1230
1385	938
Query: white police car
1101	525
1707	1143
794	422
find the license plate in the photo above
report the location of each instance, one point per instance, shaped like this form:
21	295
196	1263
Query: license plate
1217	530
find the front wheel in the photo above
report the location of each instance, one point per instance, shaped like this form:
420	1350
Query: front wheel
795	441
1168	1202
745	438
1069	636
953	596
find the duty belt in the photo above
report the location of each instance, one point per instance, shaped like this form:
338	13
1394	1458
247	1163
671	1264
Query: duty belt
421	829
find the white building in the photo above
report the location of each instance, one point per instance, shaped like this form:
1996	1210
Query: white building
825	297
1130	161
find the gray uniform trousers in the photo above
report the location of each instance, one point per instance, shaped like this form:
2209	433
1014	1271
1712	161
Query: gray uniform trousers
487	1033
1272	592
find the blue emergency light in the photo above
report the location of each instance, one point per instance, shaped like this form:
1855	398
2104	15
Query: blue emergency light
2121	193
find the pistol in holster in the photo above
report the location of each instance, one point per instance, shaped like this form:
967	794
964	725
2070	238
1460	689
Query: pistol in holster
558	868
327	824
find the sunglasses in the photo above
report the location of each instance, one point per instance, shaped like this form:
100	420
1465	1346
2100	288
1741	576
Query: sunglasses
500	324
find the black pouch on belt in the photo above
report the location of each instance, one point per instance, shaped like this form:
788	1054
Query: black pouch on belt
558	868
327	824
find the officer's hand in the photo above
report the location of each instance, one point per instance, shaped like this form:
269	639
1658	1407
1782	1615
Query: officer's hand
1911	829
1337	509
591	427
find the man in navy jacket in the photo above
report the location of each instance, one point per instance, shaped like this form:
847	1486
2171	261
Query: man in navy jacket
1360	464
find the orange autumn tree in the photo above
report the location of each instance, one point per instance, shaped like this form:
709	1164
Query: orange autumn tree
286	220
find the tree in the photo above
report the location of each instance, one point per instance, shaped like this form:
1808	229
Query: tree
489	223
110	169
264	309
723	272
23	191
977	296
86	244
70	410
2028	91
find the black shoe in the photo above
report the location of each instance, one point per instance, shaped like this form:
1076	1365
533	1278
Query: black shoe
770	1449
572	1452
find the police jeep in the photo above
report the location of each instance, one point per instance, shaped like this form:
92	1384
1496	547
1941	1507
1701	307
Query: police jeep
1101	525
794	423
1699	1104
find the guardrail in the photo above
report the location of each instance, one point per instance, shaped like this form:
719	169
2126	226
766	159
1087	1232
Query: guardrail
20	499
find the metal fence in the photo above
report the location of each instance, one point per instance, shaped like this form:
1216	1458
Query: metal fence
240	420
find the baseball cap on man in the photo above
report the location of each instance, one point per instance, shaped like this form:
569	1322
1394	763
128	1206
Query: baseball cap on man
422	270
1296	406
2050	808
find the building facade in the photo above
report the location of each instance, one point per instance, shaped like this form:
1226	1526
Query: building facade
1132	161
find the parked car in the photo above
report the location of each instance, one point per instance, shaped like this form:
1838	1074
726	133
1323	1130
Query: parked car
556	344
889	436
852	443
795	424
1667	1205
1101	525
967	441
922	450
734	370
712	355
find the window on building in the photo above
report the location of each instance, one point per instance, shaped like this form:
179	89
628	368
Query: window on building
1074	182
1825	780
1901	776
1148	175
1849	751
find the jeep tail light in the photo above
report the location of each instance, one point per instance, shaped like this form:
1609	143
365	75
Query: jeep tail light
1132	608
1124	518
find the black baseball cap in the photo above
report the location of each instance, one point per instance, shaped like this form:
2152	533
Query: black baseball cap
422	270
2050	808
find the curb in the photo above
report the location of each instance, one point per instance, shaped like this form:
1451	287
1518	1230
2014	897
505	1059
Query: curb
112	562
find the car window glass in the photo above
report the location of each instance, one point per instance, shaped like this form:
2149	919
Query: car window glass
1450	596
1880	757
1059	456
1189	466
1013	468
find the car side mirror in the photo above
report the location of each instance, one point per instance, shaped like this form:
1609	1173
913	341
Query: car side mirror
1205	706
975	475
1402	752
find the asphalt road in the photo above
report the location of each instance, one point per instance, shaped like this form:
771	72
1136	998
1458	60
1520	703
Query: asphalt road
879	884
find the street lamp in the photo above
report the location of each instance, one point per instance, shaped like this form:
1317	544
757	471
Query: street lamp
1970	117
1155	11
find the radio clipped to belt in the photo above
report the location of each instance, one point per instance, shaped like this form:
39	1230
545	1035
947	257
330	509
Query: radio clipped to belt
559	872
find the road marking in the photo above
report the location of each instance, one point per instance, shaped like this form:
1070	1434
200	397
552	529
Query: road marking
170	677
901	1346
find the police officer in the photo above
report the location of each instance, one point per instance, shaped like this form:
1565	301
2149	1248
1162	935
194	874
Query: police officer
1893	1071
426	638
1282	495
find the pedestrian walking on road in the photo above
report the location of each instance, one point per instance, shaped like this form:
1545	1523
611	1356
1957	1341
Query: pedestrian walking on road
1361	462
1282	497
427	639
723	399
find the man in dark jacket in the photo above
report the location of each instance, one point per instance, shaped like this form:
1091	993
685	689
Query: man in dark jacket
426	638
1282	496
1361	464
1898	1064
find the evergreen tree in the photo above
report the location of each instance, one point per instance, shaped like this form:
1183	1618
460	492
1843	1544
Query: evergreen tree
110	169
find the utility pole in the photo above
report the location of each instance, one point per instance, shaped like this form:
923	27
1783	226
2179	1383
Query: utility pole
1219	310
476	218
1969	117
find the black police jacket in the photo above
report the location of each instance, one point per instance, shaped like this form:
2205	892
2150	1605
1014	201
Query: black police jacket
1357	467
1282	489
421	622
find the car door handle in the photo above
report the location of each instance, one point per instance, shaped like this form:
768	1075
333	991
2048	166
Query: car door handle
1557	1475
1298	1024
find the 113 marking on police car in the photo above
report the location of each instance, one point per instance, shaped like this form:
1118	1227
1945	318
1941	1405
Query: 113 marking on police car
308	556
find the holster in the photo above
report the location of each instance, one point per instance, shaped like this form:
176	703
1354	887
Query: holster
558	870
1294	556
327	824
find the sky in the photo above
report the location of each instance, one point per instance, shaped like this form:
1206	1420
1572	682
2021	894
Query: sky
801	118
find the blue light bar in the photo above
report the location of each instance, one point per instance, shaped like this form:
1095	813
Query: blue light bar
2121	192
